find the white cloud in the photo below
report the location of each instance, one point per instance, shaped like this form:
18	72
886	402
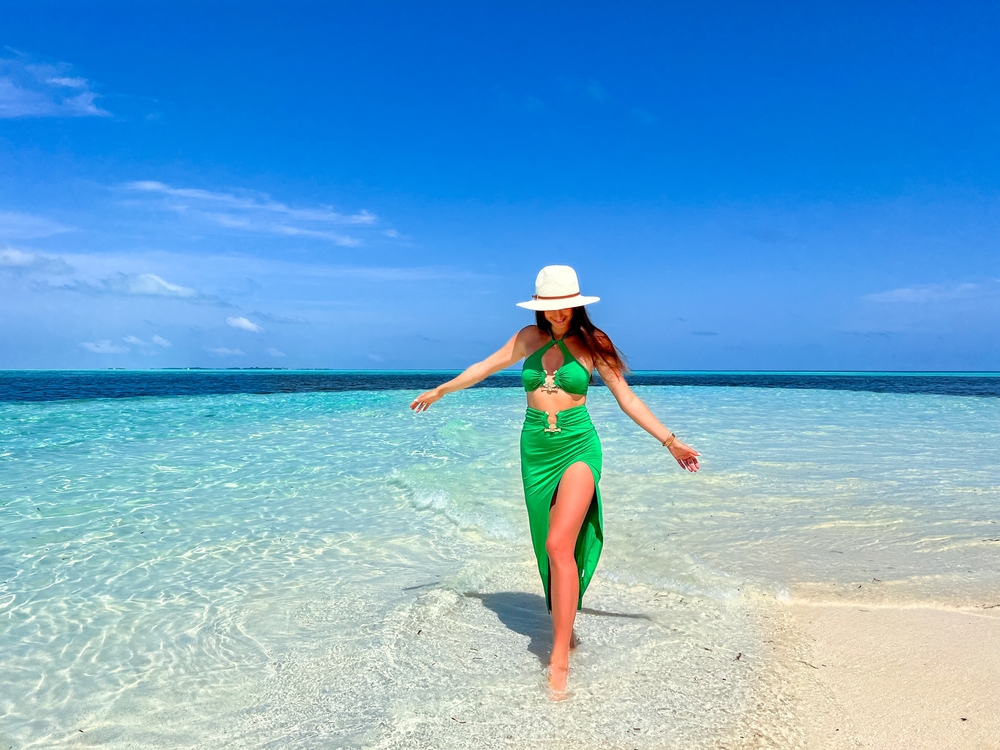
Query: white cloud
324	213
151	285
148	284
926	293
103	347
18	226
19	261
244	325
224	352
14	258
42	90
271	227
256	212
75	83
144	346
274	352
147	346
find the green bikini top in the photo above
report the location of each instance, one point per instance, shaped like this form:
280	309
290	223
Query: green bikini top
571	377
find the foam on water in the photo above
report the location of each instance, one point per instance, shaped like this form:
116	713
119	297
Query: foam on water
330	570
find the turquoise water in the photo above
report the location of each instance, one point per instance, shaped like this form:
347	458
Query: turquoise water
330	570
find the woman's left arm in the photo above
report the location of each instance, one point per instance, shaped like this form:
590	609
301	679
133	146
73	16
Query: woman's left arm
632	405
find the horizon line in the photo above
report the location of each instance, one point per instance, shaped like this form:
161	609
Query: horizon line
510	372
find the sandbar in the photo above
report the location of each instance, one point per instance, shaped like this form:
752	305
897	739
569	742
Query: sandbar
908	677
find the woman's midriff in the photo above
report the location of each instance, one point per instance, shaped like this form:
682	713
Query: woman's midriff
553	403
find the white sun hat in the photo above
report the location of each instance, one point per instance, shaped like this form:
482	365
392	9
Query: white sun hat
556	288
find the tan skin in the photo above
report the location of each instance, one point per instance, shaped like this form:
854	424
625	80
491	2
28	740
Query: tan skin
576	488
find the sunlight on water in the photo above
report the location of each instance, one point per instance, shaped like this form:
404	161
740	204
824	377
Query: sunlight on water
330	570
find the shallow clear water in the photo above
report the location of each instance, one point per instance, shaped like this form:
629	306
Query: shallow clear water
330	570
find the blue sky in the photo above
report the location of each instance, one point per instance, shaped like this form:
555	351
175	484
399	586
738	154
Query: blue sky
373	185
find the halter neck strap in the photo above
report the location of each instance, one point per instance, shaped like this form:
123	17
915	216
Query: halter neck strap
565	349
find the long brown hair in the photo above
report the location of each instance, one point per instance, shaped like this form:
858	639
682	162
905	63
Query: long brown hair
596	341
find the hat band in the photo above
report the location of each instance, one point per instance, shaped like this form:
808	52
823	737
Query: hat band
564	296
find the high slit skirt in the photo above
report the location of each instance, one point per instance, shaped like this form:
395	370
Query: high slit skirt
547	450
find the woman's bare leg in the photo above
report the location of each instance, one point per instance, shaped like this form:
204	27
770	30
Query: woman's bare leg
573	498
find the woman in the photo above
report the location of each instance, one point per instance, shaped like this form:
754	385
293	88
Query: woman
560	452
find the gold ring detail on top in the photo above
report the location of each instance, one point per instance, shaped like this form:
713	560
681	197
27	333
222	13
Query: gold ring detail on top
549	385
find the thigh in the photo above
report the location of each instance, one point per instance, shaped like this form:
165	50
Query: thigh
572	501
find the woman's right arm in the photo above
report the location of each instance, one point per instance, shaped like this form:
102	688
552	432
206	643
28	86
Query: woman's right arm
507	355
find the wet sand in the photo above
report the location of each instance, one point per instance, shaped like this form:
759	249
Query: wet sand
901	677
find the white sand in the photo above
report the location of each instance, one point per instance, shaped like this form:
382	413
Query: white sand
899	677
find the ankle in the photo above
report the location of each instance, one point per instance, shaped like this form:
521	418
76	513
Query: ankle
559	657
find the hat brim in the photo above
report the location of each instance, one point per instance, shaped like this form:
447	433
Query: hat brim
558	304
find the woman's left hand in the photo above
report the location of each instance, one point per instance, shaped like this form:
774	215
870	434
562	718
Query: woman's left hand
686	456
424	400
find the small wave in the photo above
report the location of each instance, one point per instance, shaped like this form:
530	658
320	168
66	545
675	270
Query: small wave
435	499
476	517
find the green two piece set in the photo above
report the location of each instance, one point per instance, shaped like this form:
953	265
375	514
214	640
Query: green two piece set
548	448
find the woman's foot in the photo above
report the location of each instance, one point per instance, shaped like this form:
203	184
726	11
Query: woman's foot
558	675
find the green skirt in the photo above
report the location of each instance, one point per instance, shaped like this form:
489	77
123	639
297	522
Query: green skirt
545	455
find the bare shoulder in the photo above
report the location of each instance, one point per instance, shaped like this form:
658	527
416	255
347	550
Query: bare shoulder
529	335
530	339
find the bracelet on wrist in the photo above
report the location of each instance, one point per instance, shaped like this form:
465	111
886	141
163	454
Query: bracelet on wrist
667	443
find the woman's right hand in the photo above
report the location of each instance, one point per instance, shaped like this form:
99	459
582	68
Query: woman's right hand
424	400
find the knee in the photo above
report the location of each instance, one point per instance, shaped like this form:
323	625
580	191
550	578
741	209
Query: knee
559	550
